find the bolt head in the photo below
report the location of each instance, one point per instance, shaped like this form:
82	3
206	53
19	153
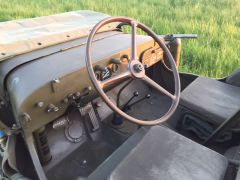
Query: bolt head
138	67
40	104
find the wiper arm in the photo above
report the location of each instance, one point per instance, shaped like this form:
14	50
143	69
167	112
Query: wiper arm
170	37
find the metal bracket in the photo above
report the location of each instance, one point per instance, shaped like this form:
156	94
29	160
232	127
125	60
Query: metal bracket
55	83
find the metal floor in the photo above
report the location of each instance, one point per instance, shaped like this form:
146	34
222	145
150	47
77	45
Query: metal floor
87	157
82	161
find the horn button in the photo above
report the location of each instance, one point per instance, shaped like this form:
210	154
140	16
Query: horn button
137	69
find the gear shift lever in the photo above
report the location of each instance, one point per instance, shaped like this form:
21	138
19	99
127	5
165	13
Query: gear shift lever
138	101
118	120
135	94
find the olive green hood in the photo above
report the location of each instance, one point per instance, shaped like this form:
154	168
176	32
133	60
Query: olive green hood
25	35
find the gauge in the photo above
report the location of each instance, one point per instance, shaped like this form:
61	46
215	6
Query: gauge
102	72
115	67
105	74
98	75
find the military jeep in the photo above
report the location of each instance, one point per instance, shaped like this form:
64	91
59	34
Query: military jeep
84	95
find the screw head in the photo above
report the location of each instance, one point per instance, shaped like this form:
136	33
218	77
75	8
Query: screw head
56	80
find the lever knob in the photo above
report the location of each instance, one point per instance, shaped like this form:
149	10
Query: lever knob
148	96
99	68
136	93
115	61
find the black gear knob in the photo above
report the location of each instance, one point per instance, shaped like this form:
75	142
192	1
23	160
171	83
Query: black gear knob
136	93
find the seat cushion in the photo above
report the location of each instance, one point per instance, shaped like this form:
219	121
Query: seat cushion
160	153
234	78
212	100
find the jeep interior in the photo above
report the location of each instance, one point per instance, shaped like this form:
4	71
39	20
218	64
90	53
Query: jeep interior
87	96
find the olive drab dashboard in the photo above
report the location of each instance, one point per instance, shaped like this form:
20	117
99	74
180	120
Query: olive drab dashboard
43	82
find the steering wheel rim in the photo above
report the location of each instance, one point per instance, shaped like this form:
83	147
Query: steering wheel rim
135	70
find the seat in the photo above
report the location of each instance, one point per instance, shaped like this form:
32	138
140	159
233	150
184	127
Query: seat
211	100
160	153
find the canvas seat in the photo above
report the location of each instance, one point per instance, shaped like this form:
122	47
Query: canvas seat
211	100
160	153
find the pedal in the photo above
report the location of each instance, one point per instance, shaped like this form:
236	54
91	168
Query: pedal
88	112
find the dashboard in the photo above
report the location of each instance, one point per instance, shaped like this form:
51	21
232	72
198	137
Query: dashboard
42	90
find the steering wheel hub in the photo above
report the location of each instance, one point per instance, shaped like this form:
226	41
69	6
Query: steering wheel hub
138	68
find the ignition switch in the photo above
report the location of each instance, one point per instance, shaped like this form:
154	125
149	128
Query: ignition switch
52	108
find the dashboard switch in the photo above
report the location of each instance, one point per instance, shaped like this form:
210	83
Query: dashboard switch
55	85
115	61
52	108
87	90
77	94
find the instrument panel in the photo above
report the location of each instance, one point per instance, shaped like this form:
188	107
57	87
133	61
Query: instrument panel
147	57
47	89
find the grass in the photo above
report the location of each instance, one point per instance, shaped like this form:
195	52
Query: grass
217	22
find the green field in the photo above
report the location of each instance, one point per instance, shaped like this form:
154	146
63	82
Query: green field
217	22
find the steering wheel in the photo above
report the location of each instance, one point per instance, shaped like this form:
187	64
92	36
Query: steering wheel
135	70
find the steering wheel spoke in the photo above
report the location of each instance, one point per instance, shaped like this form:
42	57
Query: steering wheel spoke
158	87
133	39
115	79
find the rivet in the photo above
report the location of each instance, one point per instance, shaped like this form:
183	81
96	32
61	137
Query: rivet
65	100
40	104
89	88
98	104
